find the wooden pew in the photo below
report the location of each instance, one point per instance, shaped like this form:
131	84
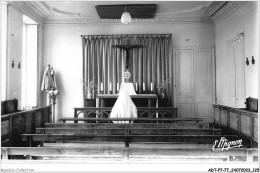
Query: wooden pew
134	120
126	138
129	125
126	133
9	106
136	153
15	124
132	131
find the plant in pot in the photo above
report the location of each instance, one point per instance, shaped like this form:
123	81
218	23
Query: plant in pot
89	91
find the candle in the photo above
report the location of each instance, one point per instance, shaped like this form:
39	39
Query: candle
101	86
151	86
110	86
117	86
143	86
136	87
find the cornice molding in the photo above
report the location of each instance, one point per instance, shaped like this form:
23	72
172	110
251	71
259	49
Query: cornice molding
24	8
115	21
40	12
224	10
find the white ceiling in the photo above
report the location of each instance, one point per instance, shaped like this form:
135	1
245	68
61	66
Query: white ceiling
86	9
84	12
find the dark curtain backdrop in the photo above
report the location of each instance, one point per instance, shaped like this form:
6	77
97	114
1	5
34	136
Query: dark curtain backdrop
151	63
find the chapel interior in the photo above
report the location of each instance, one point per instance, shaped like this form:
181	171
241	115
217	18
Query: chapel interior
130	81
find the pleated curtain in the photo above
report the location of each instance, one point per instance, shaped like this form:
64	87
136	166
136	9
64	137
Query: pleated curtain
152	63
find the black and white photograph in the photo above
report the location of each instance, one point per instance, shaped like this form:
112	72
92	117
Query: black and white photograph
129	86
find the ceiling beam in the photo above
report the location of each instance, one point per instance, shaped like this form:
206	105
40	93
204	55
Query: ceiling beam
137	11
221	9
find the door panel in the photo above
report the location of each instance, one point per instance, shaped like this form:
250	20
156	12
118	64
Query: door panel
203	109
203	83
236	74
202	73
185	73
231	75
231	71
239	74
186	109
184	67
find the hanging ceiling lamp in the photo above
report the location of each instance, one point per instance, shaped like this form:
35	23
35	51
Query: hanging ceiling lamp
126	17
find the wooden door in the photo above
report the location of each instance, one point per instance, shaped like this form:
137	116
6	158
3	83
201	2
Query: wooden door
203	83
185	83
194	83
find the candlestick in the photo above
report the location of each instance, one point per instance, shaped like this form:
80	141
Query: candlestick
110	86
101	86
117	86
143	86
151	86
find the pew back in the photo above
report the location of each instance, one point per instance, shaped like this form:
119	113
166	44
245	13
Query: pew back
15	124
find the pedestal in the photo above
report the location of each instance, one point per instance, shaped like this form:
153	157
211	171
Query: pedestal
53	102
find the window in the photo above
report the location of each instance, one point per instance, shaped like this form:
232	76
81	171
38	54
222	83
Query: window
29	69
3	50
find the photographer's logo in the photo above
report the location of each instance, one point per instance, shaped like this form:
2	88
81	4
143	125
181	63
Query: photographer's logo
224	144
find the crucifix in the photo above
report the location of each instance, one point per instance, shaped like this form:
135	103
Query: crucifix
127	48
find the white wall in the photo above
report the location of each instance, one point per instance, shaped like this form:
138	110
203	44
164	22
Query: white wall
245	20
14	53
62	49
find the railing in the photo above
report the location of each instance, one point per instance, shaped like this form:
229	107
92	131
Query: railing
15	124
143	112
238	120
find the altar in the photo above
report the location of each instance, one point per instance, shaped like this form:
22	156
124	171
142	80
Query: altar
140	100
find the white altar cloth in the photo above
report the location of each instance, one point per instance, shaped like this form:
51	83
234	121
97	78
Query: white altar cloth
124	106
128	87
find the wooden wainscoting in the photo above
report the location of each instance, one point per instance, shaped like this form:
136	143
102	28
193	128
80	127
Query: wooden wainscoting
240	121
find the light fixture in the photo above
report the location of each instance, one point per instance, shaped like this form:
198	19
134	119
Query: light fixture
247	61
13	64
19	65
253	60
126	17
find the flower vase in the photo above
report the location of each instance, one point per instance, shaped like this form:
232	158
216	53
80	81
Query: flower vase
162	95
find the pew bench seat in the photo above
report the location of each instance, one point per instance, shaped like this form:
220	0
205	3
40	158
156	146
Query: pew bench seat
134	120
130	154
129	125
126	138
132	131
